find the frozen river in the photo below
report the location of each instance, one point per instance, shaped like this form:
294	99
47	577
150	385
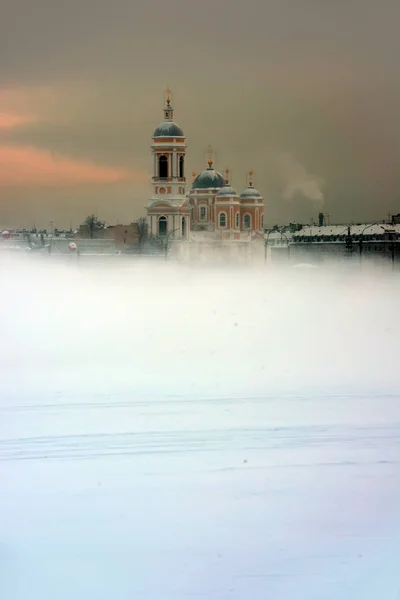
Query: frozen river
199	437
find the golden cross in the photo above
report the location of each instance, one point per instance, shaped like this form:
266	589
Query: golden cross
168	95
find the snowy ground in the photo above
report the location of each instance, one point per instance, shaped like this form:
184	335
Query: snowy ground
167	434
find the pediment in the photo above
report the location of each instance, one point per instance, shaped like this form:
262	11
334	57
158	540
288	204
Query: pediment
161	205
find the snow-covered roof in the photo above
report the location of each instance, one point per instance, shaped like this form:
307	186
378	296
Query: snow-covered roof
378	229
277	235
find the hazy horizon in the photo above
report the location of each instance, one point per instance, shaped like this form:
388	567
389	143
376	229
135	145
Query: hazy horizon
305	93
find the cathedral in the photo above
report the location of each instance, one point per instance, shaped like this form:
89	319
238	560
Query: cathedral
209	207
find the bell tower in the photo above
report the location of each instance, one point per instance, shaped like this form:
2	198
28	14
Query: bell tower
168	210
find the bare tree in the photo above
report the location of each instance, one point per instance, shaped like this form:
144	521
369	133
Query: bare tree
92	225
143	231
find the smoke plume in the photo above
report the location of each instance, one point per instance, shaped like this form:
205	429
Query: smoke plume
298	182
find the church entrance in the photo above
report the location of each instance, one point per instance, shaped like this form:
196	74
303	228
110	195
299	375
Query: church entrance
162	226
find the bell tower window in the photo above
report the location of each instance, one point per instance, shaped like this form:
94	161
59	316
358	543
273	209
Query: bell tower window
181	167
163	167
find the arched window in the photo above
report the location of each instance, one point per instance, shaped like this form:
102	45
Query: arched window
203	212
247	221
183	227
237	220
222	220
163	167
162	226
181	167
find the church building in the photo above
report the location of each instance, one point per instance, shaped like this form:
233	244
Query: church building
210	204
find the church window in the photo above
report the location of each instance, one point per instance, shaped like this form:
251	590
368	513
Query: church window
247	221
163	167
222	220
182	167
237	220
162	226
203	213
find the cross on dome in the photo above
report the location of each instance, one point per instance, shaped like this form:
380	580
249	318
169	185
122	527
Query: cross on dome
209	153
168	97
250	178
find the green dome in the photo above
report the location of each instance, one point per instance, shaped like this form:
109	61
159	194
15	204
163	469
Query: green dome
209	178
227	190
168	129
250	192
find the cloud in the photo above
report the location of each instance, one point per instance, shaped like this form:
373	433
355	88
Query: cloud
298	182
27	166
23	99
10	120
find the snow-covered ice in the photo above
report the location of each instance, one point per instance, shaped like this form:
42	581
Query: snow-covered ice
171	433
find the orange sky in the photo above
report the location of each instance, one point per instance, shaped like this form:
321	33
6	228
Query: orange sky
24	166
9	120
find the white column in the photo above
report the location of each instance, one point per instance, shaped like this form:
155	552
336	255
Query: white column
170	222
155	164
